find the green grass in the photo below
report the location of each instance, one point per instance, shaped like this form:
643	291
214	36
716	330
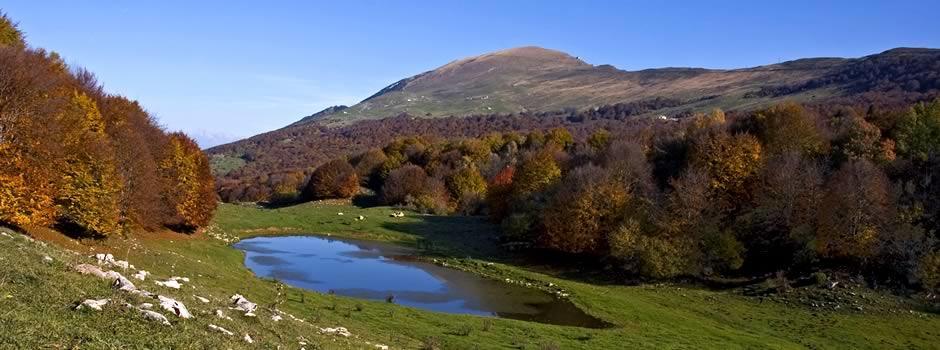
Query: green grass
223	164
39	312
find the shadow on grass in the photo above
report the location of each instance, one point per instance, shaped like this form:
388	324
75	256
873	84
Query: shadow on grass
475	237
453	236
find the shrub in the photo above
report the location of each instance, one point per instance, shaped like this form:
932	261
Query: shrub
334	179
929	271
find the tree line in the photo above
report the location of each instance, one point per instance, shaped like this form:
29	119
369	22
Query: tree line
90	163
783	188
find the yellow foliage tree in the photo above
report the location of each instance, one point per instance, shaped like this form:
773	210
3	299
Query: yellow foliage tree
729	160
191	192
87	194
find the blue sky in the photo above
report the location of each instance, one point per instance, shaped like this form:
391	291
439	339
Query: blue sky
227	69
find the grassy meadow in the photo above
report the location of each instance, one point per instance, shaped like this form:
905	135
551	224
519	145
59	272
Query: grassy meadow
38	296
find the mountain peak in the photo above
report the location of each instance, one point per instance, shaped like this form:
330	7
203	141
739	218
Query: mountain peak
518	58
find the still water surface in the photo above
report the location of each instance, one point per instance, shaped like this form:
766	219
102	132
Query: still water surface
372	270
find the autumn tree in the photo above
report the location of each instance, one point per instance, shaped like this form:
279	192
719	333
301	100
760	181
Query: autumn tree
403	182
589	204
191	192
788	127
599	139
499	191
334	179
411	185
368	165
857	139
137	142
28	137
855	212
782	223
536	172
560	137
730	160
10	35
663	243
88	193
468	186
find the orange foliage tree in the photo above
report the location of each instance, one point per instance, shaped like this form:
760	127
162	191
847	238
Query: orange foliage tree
334	179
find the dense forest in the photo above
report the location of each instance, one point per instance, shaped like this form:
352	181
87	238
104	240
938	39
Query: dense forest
784	188
87	162
274	165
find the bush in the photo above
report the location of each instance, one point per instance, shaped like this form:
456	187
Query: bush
335	179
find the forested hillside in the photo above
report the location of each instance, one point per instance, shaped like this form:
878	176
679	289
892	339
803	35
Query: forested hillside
783	188
531	88
86	161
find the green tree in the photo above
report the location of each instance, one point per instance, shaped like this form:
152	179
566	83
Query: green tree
918	131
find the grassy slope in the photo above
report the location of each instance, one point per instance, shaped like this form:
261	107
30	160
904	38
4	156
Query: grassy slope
39	313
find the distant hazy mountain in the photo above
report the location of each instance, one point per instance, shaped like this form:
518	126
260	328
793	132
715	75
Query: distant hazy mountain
537	79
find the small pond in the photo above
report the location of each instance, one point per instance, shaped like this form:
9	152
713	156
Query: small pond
372	270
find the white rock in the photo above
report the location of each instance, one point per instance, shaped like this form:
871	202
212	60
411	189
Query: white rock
155	316
174	306
92	304
340	214
141	275
145	306
276	318
203	300
5	234
242	304
220	330
176	278
169	284
47	259
342	331
93	270
381	346
248	339
220	314
121	283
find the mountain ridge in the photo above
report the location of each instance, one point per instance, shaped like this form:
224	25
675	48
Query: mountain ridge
531	78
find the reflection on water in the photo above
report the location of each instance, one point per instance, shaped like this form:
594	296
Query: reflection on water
368	270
